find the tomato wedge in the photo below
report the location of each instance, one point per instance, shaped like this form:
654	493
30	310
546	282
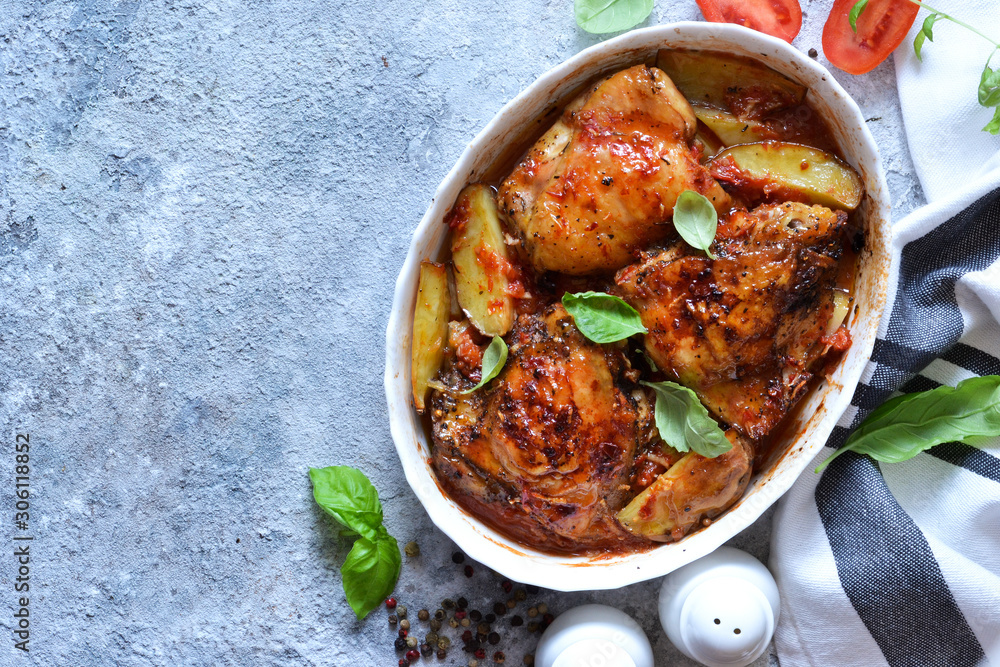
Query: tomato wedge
778	18
881	27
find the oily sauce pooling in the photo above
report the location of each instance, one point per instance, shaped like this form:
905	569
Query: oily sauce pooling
560	450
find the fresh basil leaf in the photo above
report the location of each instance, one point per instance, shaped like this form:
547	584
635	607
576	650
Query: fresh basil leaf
684	423
494	358
993	127
370	572
907	425
926	33
989	87
346	494
695	220
852	16
600	16
602	318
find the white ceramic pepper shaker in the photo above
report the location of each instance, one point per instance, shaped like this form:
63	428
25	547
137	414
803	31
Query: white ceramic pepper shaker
594	634
721	609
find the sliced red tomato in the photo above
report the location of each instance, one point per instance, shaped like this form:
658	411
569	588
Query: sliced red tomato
881	27
778	18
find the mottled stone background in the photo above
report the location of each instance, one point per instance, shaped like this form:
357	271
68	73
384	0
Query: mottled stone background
204	208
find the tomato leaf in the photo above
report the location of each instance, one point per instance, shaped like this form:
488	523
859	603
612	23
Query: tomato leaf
907	425
600	16
855	12
370	572
926	32
684	423
695	220
494	358
602	318
346	494
989	87
993	127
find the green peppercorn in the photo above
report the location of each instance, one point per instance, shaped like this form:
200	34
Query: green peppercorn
543	608
529	660
483	628
453	622
448	603
532	612
520	595
435	624
443	643
412	549
401	611
532	627
431	638
511	603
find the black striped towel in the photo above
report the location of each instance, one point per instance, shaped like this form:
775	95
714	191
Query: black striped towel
899	564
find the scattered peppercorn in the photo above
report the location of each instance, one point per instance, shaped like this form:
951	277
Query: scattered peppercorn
435	624
412	549
473	645
425	649
532	612
507	585
392	620
480	653
453	622
532	590
463	603
442	654
542	608
403	662
467	636
460	614
443	643
413	655
401	611
476	615
465	622
403	633
813	53
431	638
490	618
423	614
458	558
494	638
469	571
483	628
520	595
404	624
511	603
532	627
529	660
499	609
412	642
547	619
400	643
499	657
447	603
473	663
390	604
517	621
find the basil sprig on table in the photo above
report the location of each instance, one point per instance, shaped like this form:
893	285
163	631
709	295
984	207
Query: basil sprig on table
600	16
989	82
696	220
912	423
684	423
372	567
602	318
494	358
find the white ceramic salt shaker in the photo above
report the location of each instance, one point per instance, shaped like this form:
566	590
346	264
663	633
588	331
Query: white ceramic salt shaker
594	634
721	609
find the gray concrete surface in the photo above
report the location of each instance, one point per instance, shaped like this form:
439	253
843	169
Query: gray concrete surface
204	207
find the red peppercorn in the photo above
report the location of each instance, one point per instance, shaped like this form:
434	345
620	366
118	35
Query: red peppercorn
548	618
403	662
460	614
467	636
480	653
507	586
403	633
468	571
413	655
390	604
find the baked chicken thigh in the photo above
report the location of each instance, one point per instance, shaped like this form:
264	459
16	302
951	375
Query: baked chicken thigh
601	184
546	449
744	330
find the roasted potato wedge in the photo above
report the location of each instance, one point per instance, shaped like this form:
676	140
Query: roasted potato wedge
787	171
479	257
430	328
744	87
693	489
730	130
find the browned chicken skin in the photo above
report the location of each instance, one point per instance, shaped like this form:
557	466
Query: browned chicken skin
601	184
546	450
743	330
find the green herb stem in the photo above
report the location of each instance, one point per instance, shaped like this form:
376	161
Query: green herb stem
951	18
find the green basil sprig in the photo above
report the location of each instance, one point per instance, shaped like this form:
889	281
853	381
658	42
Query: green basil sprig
912	423
695	220
372	567
684	423
602	318
989	85
494	358
600	16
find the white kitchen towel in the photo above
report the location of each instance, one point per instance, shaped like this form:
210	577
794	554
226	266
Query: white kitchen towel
941	110
899	564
